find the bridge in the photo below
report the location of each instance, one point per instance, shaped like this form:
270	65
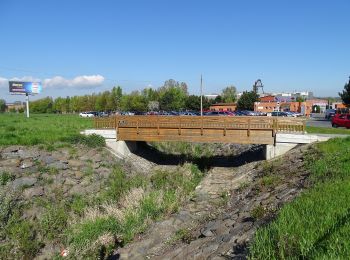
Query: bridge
279	134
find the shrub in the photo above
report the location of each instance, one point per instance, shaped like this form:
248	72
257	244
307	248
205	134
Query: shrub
54	221
5	177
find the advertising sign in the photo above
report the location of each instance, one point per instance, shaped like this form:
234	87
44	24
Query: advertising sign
20	87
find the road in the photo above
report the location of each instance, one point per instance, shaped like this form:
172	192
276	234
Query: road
318	122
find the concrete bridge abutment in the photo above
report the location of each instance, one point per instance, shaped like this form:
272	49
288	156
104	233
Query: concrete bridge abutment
283	143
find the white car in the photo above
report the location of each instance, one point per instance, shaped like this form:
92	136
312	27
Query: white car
86	114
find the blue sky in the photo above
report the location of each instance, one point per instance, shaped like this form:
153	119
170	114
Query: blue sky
90	46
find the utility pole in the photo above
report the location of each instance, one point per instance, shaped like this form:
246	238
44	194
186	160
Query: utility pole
27	104
201	95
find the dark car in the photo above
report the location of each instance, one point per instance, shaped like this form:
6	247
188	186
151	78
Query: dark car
278	113
342	120
214	113
329	113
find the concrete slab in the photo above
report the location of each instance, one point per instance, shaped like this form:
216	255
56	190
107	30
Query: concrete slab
106	133
301	138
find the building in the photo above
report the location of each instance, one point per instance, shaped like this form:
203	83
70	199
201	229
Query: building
268	98
305	107
338	105
211	96
15	106
223	107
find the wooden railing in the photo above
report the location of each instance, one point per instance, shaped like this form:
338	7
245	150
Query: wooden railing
200	129
105	122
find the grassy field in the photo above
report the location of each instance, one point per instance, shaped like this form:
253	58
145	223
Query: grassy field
326	130
15	129
317	224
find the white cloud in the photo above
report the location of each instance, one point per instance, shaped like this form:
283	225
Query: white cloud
3	83
78	82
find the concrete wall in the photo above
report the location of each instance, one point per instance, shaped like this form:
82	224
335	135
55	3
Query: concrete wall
272	151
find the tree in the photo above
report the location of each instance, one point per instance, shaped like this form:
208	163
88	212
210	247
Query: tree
116	97
2	105
193	102
345	95
172	95
229	94
173	98
44	105
218	99
133	102
246	101
300	99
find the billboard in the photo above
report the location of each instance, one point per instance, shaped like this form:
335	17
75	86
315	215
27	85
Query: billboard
21	87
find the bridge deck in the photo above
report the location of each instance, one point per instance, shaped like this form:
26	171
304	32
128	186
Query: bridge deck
220	129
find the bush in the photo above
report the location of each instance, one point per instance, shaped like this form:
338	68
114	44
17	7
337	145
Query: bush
54	221
5	177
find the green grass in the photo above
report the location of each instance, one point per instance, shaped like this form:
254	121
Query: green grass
190	150
5	177
316	224
15	129
327	130
163	193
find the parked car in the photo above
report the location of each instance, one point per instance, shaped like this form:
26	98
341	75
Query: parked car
329	113
278	113
87	114
187	113
290	114
214	113
103	114
342	120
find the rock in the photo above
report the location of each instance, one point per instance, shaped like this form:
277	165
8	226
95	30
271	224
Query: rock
33	192
213	225
27	163
24	182
97	158
184	216
59	165
59	178
11	162
78	175
48	159
70	181
285	194
77	189
263	196
85	182
245	217
207	233
210	248
224	238
75	163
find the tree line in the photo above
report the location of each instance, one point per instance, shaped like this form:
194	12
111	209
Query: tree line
172	96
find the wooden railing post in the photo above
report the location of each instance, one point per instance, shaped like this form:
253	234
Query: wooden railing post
248	131
202	125
179	125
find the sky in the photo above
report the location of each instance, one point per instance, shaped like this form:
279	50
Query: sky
77	47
